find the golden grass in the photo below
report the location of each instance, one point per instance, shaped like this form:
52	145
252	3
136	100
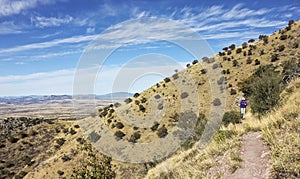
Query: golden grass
221	155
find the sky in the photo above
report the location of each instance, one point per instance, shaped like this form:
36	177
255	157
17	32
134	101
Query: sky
46	44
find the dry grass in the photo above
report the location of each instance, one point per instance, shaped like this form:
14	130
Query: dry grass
280	129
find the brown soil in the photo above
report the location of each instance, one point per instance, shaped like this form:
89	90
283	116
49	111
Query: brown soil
255	155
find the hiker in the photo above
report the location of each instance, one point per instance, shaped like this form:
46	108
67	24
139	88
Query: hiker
243	105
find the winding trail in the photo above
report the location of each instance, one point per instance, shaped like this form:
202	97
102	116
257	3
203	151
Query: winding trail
255	155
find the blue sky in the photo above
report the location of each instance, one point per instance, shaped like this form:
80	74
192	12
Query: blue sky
42	41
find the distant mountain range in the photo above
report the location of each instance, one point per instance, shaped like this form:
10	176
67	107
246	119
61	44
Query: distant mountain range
32	99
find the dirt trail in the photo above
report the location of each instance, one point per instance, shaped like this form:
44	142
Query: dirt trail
255	155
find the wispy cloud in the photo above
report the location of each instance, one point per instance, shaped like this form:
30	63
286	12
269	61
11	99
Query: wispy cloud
40	21
9	27
70	40
11	7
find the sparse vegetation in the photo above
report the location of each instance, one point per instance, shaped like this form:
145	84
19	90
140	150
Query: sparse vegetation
232	117
162	131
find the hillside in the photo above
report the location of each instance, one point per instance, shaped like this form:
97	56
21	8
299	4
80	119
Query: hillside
158	130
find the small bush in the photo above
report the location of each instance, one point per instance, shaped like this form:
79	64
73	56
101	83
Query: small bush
134	137
157	96
119	134
136	95
194	62
137	102
60	141
217	102
188	65
65	158
13	139
162	132
119	125
76	126
117	104
215	66
72	131
160	106
222	80
143	100
238	50
167	80
60	173
233	117
203	71
249	61
281	48
283	37
235	63
155	126
142	108
244	45
175	76
184	95
128	100
274	57
80	140
251	41
233	92
232	46
257	62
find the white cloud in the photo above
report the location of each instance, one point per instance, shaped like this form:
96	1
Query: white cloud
55	42
40	21
11	7
9	27
90	30
55	82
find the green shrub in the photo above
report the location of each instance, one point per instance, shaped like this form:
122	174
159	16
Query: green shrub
184	95
119	134
167	80
162	132
281	48
233	117
157	96
283	37
263	88
217	102
136	102
232	46
13	139
134	137
60	141
128	100
119	125
194	62
235	63
136	95
233	92
203	71
175	76
155	126
60	173
257	62
249	61
72	131
238	50
142	108
274	57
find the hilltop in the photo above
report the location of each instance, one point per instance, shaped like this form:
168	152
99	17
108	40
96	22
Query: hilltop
207	86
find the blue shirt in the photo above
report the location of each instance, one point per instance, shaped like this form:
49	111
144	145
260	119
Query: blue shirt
243	104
